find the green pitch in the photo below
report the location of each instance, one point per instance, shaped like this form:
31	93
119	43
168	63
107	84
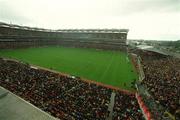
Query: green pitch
109	67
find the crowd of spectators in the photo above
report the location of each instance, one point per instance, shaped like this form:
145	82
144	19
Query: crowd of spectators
128	110
162	79
65	97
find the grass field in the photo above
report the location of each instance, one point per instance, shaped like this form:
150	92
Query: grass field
109	67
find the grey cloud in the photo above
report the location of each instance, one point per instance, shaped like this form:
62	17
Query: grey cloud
132	14
11	15
133	6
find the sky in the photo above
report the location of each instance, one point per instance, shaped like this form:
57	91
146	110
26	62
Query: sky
145	19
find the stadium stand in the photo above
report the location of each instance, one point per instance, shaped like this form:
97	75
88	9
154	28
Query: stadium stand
66	97
162	76
15	36
127	110
72	98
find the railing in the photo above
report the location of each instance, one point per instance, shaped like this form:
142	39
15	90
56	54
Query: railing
141	72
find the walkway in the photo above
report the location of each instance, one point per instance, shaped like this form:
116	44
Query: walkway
111	106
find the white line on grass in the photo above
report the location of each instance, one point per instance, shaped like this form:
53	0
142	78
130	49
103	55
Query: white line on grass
108	66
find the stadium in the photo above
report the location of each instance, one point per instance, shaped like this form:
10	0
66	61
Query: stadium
87	74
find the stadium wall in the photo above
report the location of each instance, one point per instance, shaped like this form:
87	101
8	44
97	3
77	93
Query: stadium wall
14	37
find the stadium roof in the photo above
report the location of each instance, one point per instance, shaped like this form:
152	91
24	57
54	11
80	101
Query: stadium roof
156	50
95	30
65	30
